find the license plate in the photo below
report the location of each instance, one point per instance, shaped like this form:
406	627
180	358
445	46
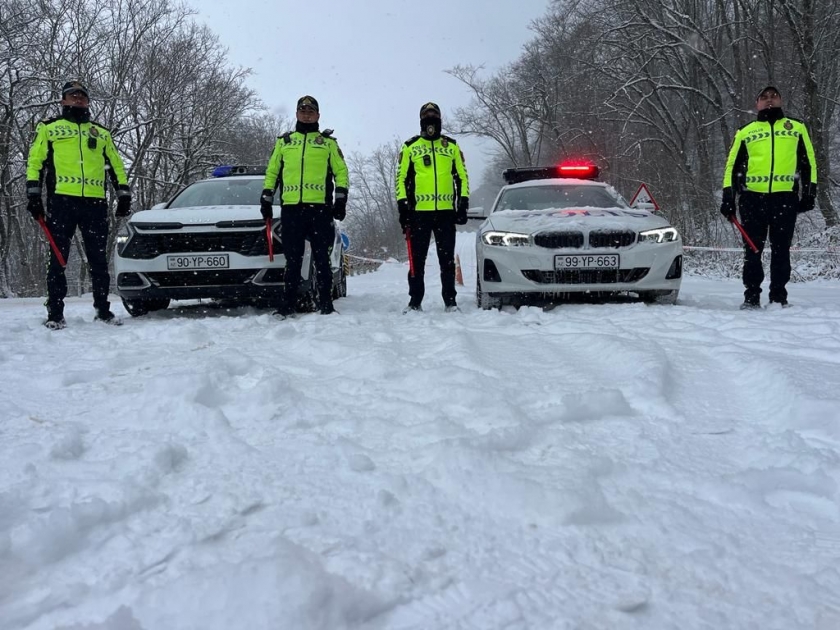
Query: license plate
586	261
198	261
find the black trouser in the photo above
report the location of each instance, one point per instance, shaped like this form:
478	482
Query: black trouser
91	217
423	224
299	223
773	213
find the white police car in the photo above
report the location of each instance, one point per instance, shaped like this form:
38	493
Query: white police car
210	242
555	232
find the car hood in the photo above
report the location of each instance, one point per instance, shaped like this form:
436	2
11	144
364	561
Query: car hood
583	219
203	215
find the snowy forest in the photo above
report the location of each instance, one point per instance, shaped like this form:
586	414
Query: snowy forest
650	90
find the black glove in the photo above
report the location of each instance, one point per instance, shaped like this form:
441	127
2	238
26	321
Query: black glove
727	206
35	205
339	209
461	212
266	202
405	214
123	206
806	203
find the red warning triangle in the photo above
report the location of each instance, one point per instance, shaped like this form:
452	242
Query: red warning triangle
643	196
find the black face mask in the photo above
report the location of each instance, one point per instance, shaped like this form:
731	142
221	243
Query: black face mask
771	114
76	114
302	127
430	127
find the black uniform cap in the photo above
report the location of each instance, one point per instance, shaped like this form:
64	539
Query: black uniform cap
74	86
768	89
308	100
430	107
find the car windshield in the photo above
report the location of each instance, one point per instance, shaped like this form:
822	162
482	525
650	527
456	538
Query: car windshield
559	196
225	191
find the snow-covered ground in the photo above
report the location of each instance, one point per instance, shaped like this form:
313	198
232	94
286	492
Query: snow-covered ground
589	467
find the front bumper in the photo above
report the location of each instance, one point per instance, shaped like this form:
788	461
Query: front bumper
530	270
245	277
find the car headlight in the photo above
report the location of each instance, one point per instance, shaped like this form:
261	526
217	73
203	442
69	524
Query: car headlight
123	237
659	235
506	239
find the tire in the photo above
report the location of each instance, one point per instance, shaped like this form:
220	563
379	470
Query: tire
485	301
307	299
339	289
660	297
138	308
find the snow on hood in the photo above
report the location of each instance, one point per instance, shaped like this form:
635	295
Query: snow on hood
198	215
584	218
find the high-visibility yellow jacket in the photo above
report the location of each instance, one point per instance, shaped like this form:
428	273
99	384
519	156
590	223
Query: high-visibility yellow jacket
767	155
305	167
431	174
74	158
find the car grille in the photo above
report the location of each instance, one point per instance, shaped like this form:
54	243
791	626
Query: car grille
575	240
559	240
612	238
225	277
586	276
248	243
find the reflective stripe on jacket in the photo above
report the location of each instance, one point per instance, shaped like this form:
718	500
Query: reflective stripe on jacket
303	166
73	167
766	156
431	174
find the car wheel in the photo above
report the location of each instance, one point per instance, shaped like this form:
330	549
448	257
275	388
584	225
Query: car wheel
659	297
339	289
157	304
138	308
307	300
485	301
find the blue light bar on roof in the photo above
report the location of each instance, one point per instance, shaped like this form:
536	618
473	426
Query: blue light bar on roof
226	170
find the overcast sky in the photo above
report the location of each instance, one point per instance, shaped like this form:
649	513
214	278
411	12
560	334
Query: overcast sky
372	63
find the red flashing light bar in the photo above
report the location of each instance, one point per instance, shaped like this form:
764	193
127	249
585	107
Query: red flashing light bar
578	170
584	171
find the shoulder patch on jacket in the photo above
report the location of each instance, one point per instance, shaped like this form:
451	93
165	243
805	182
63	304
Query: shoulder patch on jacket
449	139
411	141
328	133
47	121
103	127
286	137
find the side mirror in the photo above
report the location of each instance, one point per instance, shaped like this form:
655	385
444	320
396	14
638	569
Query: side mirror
158	206
476	213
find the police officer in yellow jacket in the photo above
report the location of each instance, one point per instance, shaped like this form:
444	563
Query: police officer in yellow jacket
771	163
72	156
432	197
308	168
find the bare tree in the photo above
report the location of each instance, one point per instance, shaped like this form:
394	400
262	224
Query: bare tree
372	217
815	30
653	91
155	77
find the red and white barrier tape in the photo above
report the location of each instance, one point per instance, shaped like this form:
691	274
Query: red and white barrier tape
805	250
373	260
830	250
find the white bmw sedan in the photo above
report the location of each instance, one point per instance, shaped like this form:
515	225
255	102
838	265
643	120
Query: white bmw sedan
555	233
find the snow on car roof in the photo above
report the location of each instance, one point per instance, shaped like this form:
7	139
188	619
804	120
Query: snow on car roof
558	181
